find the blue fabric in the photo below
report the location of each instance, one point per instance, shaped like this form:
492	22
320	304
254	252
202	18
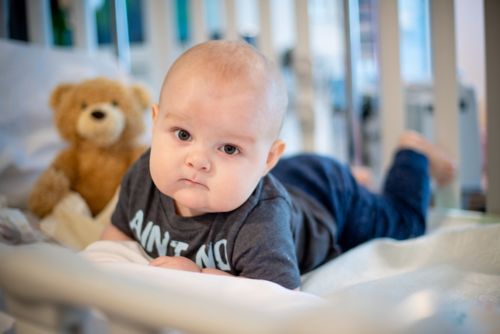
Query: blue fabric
399	212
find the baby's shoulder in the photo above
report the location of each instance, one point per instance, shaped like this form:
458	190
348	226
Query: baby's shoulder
272	188
138	173
268	199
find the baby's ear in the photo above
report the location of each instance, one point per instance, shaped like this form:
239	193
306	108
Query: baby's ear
275	153
155	109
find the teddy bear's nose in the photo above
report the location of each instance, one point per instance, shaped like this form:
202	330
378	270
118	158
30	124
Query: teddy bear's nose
98	114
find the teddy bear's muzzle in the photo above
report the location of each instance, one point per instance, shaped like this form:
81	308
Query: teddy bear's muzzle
101	124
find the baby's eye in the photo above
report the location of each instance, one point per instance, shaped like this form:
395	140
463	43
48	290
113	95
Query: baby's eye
230	149
182	134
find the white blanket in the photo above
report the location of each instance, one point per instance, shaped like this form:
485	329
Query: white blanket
448	280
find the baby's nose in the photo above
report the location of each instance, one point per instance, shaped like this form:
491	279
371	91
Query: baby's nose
198	161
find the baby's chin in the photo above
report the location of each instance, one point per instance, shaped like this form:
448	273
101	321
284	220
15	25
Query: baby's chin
190	209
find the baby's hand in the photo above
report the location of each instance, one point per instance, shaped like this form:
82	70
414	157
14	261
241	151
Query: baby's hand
175	262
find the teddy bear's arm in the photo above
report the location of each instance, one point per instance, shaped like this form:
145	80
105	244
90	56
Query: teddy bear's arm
67	163
53	184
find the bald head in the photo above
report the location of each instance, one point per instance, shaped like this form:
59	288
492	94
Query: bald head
227	63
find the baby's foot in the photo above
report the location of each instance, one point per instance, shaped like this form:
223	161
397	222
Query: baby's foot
442	167
363	175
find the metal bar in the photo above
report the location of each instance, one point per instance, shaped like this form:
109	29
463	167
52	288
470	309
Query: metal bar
39	22
160	32
4	19
230	12
391	93
84	29
197	18
265	41
492	52
303	70
352	94
119	30
446	92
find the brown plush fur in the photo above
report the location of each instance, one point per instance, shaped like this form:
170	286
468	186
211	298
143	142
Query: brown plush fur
101	120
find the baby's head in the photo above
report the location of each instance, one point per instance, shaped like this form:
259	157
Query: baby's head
216	127
218	68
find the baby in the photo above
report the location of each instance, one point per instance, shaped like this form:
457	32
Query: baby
213	196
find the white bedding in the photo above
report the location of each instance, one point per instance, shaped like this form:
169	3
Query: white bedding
445	281
127	259
448	279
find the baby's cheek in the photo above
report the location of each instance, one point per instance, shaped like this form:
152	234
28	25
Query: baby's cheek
237	192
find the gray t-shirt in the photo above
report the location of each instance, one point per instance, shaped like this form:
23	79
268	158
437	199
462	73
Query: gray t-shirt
268	237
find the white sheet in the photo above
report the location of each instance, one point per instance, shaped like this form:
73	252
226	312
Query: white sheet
448	280
127	258
445	282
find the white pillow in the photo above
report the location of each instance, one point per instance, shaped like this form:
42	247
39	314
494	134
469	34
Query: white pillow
28	138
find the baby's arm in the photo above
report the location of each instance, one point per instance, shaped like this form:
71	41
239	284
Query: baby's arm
185	264
175	262
213	271
111	232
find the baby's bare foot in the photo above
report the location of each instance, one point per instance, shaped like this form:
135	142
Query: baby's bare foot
442	167
363	175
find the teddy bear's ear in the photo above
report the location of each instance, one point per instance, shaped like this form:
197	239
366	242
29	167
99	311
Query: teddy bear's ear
142	96
58	93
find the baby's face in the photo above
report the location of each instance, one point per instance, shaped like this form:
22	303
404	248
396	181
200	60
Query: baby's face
211	145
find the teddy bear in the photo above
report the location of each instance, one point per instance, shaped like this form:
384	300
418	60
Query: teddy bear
101	119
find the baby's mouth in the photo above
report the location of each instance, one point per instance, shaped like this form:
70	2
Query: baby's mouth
191	182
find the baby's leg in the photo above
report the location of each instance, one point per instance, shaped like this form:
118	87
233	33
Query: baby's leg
441	166
359	214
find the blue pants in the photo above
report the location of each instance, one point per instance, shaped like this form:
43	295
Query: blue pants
398	212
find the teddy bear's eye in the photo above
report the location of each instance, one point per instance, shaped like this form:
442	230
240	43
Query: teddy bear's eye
114	103
84	105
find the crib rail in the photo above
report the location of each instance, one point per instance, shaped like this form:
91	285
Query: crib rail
163	48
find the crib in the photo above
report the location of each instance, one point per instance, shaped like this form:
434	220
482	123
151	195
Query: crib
445	281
